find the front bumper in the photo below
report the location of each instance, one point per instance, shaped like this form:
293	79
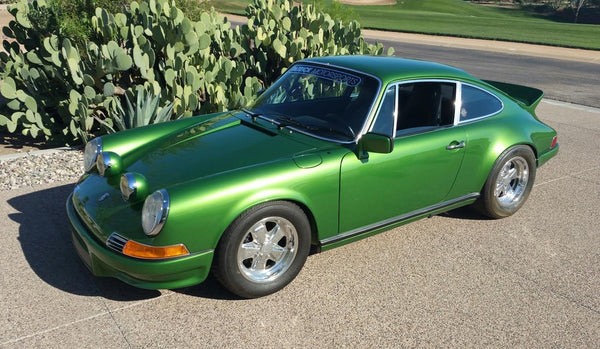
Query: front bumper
150	274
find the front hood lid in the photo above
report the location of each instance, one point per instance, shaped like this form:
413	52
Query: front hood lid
219	145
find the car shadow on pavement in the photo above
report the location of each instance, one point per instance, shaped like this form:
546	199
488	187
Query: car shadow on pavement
46	243
465	212
211	289
45	239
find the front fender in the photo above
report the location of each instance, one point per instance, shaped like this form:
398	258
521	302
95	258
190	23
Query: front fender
201	210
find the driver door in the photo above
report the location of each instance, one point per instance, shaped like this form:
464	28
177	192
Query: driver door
421	169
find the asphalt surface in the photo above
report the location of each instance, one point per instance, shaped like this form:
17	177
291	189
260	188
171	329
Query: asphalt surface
568	81
531	280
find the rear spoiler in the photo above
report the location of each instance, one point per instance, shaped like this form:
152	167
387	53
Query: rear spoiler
529	97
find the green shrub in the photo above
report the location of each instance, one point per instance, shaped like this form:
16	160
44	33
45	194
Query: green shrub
192	67
144	111
279	33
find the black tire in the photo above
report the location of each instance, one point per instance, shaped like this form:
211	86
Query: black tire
509	183
255	265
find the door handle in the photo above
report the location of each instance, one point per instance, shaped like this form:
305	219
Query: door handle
455	145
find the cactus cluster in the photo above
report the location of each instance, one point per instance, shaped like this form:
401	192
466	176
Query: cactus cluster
151	48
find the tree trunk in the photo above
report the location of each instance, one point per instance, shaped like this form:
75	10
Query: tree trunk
580	4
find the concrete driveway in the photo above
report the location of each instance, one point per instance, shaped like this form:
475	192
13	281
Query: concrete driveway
531	280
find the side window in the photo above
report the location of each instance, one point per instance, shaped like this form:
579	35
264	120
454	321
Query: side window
477	103
425	105
384	123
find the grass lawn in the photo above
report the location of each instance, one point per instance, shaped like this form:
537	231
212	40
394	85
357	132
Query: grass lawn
461	18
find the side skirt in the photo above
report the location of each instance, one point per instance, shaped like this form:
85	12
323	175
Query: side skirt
363	232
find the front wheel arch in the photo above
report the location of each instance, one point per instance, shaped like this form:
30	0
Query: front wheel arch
248	240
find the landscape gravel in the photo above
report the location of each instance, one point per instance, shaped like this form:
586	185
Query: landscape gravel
35	169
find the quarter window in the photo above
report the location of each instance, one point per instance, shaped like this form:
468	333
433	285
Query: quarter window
384	124
477	103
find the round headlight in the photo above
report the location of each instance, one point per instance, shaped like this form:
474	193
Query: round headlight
155	212
92	148
133	186
108	163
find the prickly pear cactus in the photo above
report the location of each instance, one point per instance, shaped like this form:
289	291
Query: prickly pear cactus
279	32
67	94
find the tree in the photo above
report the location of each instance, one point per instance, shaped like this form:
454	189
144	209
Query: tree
576	5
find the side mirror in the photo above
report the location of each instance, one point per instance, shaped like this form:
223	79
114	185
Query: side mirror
376	143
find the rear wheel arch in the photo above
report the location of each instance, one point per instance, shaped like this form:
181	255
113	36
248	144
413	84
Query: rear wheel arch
499	189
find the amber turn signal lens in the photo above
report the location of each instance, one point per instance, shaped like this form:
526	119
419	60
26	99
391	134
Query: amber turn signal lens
135	249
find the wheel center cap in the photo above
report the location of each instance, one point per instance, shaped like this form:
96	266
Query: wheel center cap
266	247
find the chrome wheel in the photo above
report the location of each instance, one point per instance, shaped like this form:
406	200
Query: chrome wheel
268	249
511	182
263	249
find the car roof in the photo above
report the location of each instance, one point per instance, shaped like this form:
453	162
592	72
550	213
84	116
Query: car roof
393	68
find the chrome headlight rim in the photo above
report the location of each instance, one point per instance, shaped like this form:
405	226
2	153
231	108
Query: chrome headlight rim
90	153
133	186
127	185
103	163
108	164
156	207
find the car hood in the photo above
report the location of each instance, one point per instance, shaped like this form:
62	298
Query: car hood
219	145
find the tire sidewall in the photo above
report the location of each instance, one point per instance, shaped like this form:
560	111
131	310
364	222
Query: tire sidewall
226	265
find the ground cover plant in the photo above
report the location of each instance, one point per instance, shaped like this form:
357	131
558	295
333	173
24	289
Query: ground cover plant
465	19
152	51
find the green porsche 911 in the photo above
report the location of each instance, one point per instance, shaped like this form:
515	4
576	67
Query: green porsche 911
338	149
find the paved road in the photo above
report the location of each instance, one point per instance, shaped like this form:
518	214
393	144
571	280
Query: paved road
569	81
575	79
457	279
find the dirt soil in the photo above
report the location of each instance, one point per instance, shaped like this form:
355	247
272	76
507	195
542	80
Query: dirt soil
5	18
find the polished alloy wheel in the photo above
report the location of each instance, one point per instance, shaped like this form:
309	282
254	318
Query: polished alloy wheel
511	182
268	249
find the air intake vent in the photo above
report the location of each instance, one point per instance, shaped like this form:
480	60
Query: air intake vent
116	242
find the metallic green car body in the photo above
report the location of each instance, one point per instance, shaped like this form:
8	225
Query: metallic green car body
215	167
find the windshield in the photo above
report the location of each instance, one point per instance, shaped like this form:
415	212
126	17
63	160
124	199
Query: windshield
325	102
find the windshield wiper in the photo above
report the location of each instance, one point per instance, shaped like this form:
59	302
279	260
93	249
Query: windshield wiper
252	114
285	121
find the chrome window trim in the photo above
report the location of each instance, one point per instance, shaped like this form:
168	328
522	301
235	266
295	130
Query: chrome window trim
484	116
458	102
395	86
412	81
